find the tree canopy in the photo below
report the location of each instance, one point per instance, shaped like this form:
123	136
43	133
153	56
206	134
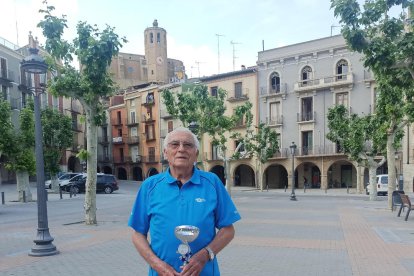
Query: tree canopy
91	84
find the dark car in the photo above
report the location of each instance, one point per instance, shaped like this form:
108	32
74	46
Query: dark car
106	183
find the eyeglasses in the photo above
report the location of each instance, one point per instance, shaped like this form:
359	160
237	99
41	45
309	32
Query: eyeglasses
176	145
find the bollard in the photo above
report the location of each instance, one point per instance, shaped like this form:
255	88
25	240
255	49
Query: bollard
60	192
2	198
285	188
304	189
24	196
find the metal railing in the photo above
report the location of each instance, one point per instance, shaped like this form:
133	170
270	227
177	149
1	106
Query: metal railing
306	116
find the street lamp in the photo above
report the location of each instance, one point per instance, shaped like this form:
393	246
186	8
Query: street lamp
34	65
292	151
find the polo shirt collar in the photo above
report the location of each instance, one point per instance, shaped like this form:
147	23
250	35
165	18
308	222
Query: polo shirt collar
195	178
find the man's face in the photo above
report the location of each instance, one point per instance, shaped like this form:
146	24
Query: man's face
181	151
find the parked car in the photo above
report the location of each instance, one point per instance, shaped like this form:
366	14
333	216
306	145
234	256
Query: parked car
61	177
106	183
382	185
64	184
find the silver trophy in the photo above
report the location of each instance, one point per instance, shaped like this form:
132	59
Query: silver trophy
186	234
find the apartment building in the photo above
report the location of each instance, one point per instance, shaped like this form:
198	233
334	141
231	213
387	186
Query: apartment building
297	85
241	86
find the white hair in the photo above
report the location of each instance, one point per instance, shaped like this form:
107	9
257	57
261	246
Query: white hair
181	129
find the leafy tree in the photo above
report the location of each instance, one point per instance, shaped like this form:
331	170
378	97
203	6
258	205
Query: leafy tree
90	85
20	155
361	138
195	105
6	129
57	136
387	45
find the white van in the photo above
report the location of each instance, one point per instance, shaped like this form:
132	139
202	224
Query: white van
382	185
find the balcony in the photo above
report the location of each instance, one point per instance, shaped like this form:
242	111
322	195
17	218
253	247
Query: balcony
238	98
117	140
76	127
132	123
312	151
103	140
212	156
6	77
147	118
133	140
306	117
120	159
104	159
279	90
149	137
150	159
324	83
149	101
274	121
117	122
134	159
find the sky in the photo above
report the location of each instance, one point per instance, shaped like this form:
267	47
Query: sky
210	37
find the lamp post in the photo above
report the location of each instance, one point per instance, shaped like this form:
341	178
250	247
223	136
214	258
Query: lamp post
292	151
34	65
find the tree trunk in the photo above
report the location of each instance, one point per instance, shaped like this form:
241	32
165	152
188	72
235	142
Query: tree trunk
90	187
391	168
23	185
260	175
372	188
55	184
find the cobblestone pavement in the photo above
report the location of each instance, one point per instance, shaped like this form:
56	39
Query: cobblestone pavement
333	233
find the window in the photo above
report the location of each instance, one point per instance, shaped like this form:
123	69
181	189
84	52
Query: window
151	154
4	92
74	121
120	132
132	117
306	74
106	152
3	68
134	131
307	109
118	116
151	38
121	154
149	132
214	152
148	115
307	142
150	98
342	99
241	149
274	113
170	126
341	69
105	134
158	38
275	82
214	91
238	90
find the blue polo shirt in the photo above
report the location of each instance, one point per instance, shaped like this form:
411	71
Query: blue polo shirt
160	206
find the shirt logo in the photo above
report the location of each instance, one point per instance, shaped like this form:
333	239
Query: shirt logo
199	200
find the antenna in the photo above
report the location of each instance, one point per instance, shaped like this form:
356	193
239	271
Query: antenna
334	26
198	66
234	54
218	52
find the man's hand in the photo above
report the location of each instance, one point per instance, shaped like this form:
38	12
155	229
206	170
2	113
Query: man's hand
164	269
196	264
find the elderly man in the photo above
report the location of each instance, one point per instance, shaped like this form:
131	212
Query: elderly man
183	195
